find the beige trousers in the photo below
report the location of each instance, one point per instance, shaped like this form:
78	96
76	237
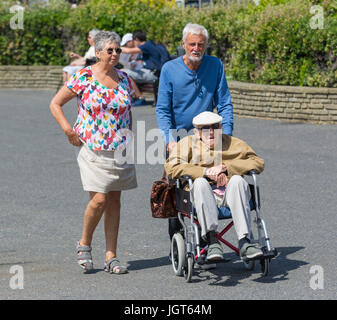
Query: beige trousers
236	198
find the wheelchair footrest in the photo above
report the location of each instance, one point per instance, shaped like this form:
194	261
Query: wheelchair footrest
223	260
202	260
270	254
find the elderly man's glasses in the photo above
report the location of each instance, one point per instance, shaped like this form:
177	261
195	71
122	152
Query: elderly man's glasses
212	126
111	50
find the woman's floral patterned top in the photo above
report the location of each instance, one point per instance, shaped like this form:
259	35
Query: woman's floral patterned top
103	113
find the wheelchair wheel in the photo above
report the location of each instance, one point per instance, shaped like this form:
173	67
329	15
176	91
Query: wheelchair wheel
265	266
188	269
178	254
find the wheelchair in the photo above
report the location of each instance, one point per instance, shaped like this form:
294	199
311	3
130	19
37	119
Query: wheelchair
186	246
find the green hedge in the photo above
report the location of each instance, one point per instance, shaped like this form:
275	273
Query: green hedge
271	43
278	46
39	43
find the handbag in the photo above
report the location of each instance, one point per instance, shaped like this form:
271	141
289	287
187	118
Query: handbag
163	198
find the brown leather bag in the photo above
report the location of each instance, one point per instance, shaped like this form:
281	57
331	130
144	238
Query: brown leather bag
163	198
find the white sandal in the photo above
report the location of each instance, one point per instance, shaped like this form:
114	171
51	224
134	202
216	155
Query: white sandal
84	258
112	265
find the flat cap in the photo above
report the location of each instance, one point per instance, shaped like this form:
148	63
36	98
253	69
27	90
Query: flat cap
206	118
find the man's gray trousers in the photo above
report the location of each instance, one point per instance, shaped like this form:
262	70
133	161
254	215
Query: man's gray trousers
236	198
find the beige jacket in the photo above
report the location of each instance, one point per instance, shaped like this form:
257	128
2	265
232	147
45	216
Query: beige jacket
191	156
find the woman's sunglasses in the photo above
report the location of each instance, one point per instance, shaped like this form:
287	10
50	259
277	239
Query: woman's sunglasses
111	50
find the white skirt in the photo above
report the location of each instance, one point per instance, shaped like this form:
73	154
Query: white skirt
101	172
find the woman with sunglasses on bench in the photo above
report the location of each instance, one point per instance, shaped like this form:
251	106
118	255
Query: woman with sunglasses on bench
101	132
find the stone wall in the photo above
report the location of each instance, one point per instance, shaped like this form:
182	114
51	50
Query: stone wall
37	77
253	100
284	102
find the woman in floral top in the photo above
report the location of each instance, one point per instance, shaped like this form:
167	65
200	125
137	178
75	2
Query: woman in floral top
101	131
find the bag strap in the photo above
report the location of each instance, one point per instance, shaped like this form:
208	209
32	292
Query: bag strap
164	175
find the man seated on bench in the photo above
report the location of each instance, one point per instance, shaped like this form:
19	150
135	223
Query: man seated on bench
80	62
216	163
152	58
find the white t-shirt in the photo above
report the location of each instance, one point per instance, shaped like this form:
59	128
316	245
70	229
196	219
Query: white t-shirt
90	53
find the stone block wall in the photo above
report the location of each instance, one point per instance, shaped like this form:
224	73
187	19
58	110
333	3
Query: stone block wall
37	77
284	102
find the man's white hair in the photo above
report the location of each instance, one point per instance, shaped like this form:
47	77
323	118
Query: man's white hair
93	32
194	28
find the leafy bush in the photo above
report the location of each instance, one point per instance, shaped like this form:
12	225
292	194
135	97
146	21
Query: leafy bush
39	43
278	46
271	43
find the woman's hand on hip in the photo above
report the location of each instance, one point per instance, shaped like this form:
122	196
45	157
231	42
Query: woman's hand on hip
73	138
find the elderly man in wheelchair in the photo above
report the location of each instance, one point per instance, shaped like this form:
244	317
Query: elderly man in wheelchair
216	163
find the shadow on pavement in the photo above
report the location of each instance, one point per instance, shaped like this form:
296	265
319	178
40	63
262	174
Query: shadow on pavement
148	263
232	274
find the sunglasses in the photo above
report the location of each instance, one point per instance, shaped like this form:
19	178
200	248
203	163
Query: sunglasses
111	50
212	126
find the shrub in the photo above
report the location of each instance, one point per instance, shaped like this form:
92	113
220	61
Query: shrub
40	42
278	46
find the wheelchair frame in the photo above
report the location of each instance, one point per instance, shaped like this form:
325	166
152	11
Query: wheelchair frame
186	249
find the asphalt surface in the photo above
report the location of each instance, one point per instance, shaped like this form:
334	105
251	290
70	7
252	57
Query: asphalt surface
42	204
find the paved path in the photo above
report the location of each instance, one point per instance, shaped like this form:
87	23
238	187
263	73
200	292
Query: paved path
42	203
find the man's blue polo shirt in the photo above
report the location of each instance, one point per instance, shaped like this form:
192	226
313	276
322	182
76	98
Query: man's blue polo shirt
184	93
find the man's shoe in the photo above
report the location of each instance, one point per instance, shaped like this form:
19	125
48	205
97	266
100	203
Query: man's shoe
215	252
250	251
139	103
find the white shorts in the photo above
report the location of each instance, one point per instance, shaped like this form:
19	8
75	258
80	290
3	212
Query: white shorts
100	172
72	69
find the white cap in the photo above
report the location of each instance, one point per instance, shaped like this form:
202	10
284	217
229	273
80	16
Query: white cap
206	118
126	38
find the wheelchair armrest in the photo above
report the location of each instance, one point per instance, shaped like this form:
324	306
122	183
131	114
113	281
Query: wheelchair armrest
184	180
185	177
254	189
251	172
